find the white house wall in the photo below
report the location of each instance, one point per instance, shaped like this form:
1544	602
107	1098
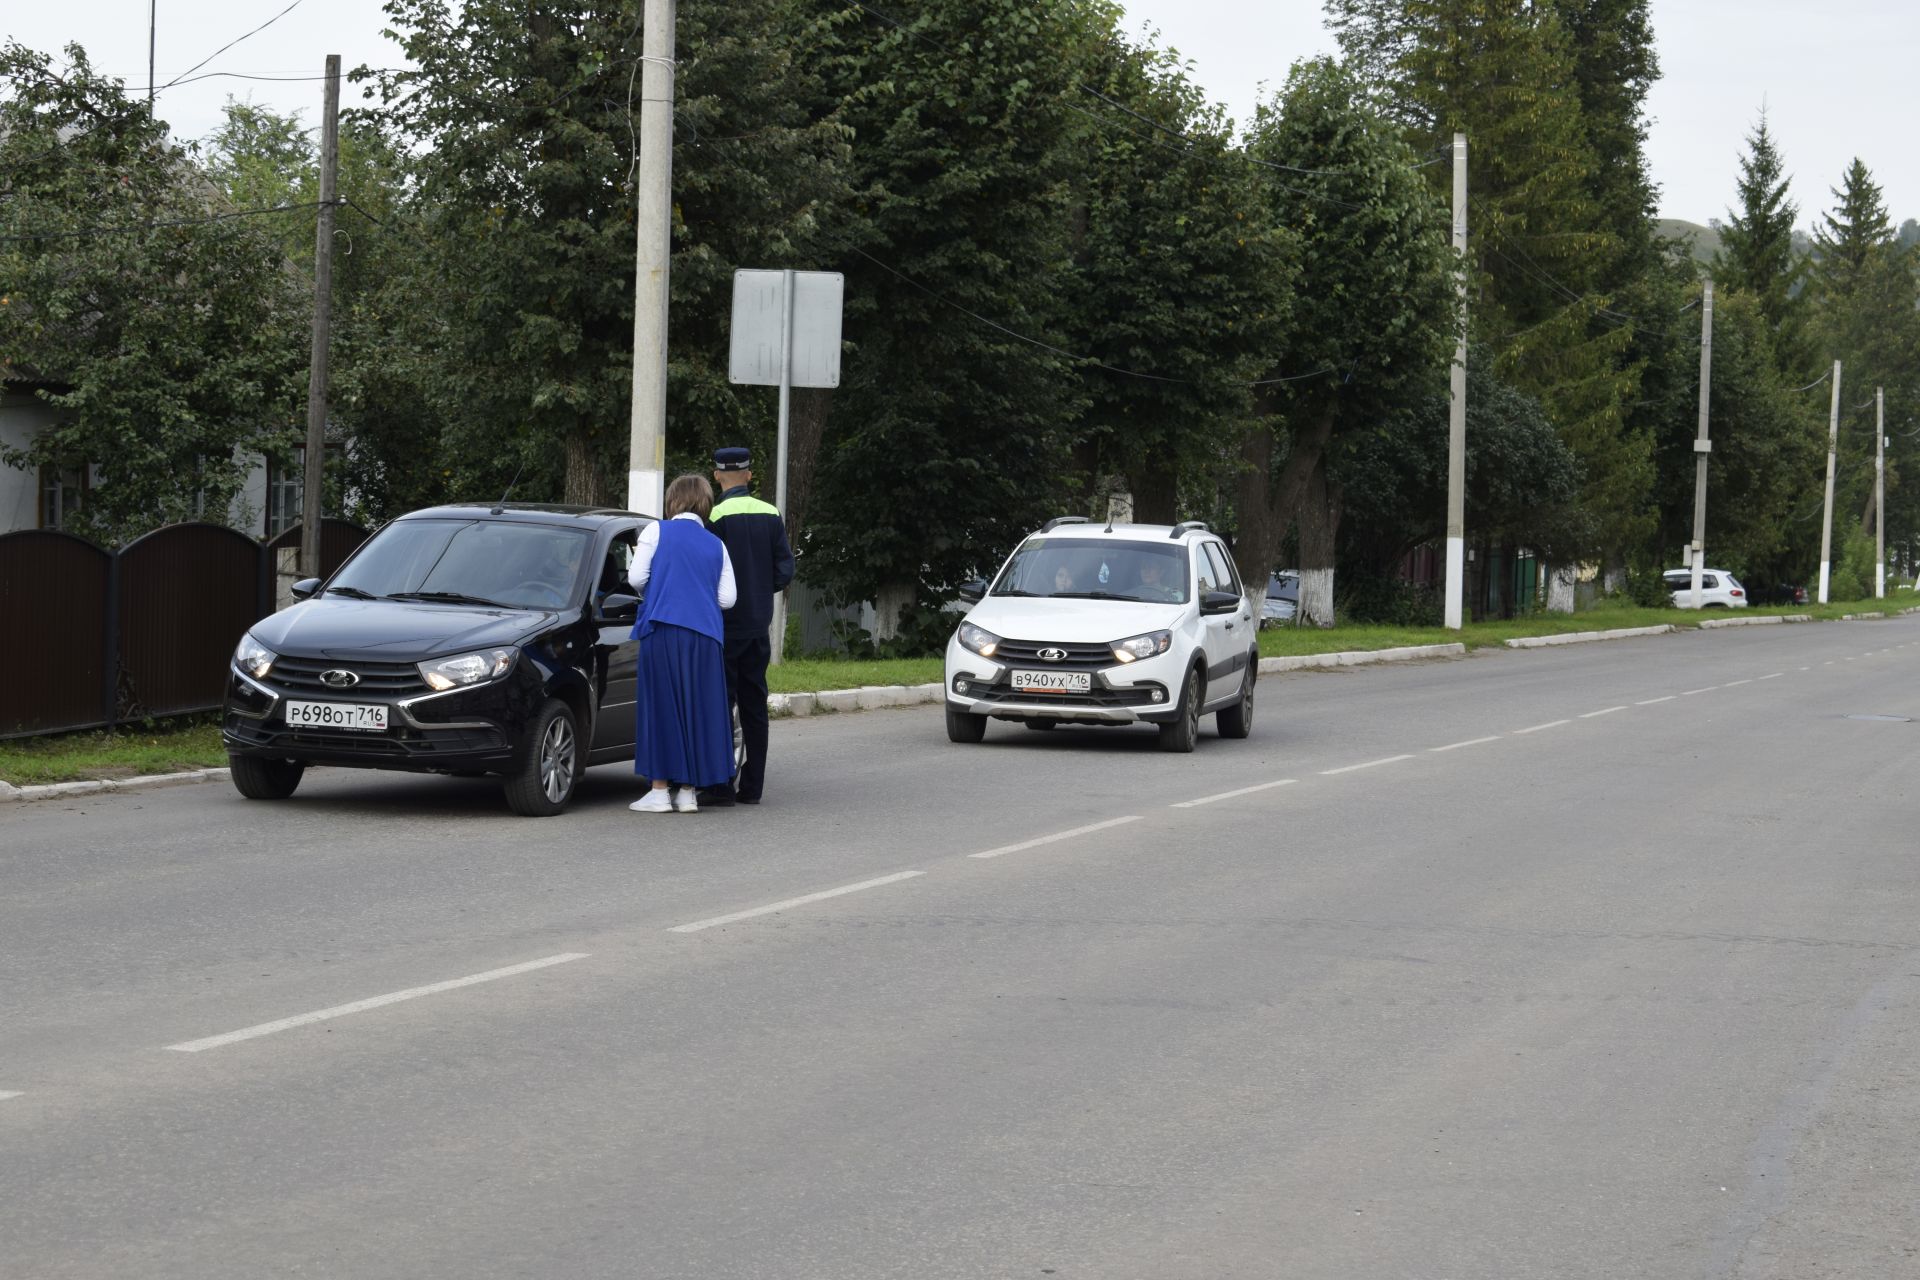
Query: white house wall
21	418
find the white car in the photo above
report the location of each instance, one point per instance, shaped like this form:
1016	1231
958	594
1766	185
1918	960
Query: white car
1718	589
1121	624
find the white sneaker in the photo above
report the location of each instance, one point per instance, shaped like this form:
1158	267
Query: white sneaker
683	800
655	801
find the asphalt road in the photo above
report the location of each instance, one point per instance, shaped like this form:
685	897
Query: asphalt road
1599	961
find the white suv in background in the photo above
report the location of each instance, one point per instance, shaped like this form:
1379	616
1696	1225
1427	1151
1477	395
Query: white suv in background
1718	589
1122	624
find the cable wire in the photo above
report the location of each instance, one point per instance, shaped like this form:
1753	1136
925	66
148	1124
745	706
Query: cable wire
229	44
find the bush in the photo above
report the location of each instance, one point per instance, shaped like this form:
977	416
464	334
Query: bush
1387	601
1647	588
1852	577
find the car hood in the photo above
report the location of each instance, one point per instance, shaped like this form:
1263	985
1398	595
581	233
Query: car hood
342	628
1071	621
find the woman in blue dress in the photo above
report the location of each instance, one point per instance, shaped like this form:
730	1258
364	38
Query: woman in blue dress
684	736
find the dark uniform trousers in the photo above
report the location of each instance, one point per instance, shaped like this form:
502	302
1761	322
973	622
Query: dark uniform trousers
747	659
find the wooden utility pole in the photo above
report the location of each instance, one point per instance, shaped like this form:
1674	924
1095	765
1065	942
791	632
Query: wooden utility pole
1701	445
315	475
1457	415
1879	493
653	219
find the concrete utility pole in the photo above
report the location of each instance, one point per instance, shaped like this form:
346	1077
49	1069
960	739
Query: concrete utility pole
1457	413
315	474
1701	445
647	442
1826	520
1880	493
153	31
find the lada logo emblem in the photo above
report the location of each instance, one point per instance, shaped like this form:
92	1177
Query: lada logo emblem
338	679
1053	655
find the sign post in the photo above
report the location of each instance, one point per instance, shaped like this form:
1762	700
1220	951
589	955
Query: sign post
785	334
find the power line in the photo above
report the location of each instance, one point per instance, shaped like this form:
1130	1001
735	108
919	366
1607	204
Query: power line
229	44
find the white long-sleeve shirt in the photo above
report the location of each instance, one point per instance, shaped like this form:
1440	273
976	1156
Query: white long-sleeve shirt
642	567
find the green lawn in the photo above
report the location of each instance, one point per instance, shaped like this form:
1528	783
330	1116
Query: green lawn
119	753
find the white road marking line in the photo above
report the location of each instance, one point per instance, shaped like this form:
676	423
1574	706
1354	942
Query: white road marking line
1588	715
1806	668
1470	742
375	1002
1731	683
1328	773
1228	795
1688	693
1775	676
1058	835
9	1093
1827	663
800	901
1650	701
1551	724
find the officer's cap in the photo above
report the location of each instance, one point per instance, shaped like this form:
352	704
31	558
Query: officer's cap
732	460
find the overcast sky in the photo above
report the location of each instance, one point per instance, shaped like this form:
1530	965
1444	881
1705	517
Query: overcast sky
1834	75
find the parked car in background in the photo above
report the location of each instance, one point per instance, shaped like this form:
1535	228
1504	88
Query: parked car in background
1778	593
1283	596
1718	589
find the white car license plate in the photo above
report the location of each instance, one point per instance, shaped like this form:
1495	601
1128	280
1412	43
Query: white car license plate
1052	681
337	715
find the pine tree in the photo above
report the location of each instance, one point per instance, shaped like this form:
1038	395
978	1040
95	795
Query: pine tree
1847	237
1757	254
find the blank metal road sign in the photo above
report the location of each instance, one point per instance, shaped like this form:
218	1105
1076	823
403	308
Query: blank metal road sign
759	298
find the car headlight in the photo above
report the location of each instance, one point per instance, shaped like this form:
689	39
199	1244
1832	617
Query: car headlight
467	668
253	657
1151	645
979	639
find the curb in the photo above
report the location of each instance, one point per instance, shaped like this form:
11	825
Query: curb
1361	657
1710	623
1582	637
1856	617
149	782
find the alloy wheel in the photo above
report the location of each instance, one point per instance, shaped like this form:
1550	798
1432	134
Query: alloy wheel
556	760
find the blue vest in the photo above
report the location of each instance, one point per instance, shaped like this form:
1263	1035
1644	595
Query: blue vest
683	583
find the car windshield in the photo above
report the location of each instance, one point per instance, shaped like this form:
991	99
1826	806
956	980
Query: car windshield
496	562
1097	569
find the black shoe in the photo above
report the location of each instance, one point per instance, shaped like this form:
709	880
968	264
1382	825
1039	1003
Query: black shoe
747	799
715	798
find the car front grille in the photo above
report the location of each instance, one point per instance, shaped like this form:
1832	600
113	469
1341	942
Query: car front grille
301	676
1138	696
1080	657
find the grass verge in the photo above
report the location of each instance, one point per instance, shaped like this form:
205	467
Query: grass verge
169	747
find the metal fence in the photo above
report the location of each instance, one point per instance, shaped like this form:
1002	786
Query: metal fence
91	638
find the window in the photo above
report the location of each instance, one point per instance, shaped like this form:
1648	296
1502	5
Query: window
1223	567
1208	568
285	490
63	492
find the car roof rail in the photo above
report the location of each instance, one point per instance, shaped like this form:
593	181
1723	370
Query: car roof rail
1186	527
1057	521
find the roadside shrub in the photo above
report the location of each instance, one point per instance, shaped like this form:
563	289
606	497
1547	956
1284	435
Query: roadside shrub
1647	589
1386	601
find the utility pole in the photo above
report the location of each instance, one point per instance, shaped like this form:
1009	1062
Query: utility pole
1880	493
315	476
653	219
1457	413
153	27
1701	445
1826	520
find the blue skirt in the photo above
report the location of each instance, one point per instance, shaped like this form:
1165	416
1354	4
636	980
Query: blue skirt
684	729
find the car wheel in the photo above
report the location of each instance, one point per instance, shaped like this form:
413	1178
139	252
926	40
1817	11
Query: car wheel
1039	722
1181	734
1236	721
543	780
259	779
964	726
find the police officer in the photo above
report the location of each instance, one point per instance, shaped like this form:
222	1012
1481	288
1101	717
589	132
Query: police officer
756	538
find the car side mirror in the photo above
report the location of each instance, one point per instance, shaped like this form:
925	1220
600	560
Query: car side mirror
1219	602
619	607
973	592
304	589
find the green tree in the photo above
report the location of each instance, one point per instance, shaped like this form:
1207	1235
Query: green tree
1182	280
165	312
1757	253
1848	236
1372	323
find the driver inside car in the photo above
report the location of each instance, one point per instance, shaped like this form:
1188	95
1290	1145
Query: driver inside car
1152	584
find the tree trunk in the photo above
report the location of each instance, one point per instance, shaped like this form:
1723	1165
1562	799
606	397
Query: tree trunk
1156	494
806	429
893	599
1866	515
1319	521
1268	505
1560	588
585	486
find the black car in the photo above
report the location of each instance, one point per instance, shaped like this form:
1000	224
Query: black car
483	639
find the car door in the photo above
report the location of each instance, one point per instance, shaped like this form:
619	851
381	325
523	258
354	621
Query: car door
1226	632
615	654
